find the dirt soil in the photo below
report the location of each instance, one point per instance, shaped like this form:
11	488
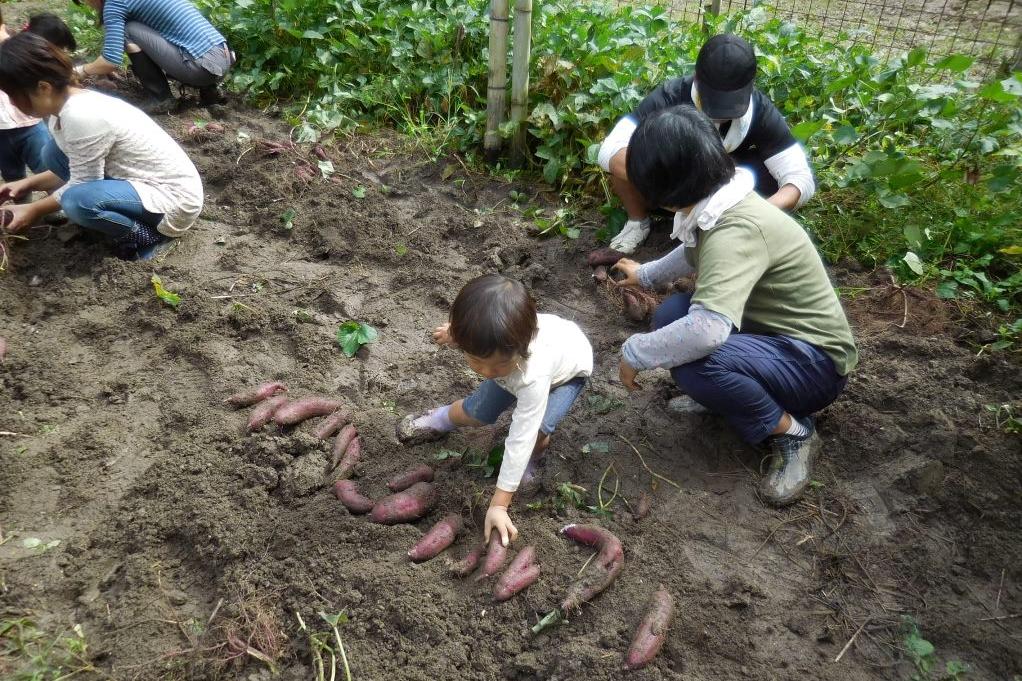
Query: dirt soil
188	549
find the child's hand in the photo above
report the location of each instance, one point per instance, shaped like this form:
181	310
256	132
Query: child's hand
498	519
442	335
627	273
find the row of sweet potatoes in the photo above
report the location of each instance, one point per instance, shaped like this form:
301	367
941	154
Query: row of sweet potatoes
414	495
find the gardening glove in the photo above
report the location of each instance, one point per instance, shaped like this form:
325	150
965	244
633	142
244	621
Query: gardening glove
631	236
498	519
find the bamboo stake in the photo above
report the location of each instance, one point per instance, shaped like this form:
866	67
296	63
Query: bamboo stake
496	93
520	77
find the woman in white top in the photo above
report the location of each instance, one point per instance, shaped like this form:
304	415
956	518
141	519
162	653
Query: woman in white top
111	168
539	360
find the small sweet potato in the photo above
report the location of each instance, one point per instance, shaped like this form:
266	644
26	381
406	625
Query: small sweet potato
496	556
247	398
642	507
299	410
332	423
634	308
353	500
604	569
319	152
600	273
402	481
439	537
604	256
263	412
652	631
352	457
411	504
341	442
467	565
522	572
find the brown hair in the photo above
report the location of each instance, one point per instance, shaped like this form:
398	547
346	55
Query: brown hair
493	314
27	60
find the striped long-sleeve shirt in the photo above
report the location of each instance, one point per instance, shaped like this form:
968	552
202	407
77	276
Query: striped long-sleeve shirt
176	20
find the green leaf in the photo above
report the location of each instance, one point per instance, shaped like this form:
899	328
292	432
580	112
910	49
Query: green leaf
893	200
326	169
913	235
287	218
445	454
1011	250
31	542
597	447
846	134
916	57
169	298
913	262
995	92
359	192
806	129
919	646
947	289
312	35
956	63
352	335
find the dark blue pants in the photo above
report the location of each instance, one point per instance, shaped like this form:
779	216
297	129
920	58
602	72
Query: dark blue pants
22	147
109	206
753	380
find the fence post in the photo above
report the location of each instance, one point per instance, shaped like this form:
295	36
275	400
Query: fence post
711	7
520	78
496	92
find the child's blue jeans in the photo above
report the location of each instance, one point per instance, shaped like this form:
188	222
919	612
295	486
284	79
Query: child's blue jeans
489	401
109	206
22	147
752	380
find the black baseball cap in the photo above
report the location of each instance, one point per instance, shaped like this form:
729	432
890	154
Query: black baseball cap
725	74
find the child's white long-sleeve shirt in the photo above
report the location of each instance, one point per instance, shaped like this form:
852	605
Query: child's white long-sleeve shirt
558	353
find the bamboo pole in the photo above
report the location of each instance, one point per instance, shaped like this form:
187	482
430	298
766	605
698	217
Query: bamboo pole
496	93
520	78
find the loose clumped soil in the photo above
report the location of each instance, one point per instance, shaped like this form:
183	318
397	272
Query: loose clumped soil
168	514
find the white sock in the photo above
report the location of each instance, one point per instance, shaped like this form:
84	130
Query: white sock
796	428
438	419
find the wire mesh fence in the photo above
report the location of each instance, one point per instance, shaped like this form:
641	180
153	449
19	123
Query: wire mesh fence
989	30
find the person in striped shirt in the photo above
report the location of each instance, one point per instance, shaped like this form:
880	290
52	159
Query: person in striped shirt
162	38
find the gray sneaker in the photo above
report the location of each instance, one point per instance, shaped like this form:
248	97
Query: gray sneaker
791	468
683	404
409	434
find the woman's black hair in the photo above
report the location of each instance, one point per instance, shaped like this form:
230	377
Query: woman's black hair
493	314
53	28
676	158
27	60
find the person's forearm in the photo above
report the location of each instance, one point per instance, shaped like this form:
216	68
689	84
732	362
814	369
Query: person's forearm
666	270
100	67
44	207
786	197
501	498
45	181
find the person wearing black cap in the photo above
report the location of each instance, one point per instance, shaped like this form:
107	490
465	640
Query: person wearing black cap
754	133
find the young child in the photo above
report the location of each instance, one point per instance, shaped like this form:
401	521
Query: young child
22	137
540	360
53	28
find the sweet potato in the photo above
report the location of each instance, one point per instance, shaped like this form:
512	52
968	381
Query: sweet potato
652	631
642	506
263	412
604	256
411	504
522	572
600	273
341	442
319	152
402	481
348	493
467	565
439	537
496	556
634	308
332	423
6	218
352	457
299	410
601	572
247	398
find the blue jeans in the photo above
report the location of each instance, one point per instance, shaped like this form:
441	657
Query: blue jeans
22	147
489	401
109	206
752	380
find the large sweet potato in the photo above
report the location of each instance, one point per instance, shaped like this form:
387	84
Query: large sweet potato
263	412
332	423
604	569
403	507
402	481
522	572
439	537
353	500
248	397
652	631
295	412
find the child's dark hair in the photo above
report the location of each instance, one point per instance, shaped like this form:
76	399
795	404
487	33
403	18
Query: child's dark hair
676	158
53	28
493	314
27	60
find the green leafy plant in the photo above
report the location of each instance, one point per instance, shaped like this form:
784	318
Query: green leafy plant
352	335
603	404
1006	418
287	219
168	297
923	656
27	653
488	462
327	644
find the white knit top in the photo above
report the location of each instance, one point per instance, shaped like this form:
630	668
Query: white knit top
107	138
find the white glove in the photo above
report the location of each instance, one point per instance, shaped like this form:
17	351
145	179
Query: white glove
631	236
